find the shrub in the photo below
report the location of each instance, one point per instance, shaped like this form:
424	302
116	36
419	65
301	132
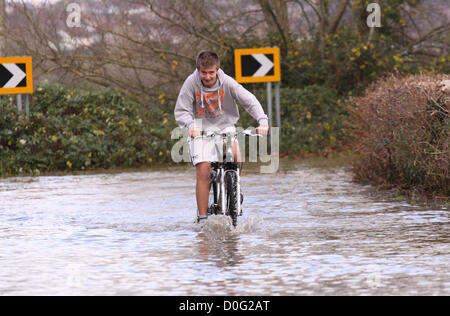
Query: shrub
401	130
77	130
312	119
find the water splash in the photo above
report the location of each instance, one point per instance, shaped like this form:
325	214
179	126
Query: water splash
220	227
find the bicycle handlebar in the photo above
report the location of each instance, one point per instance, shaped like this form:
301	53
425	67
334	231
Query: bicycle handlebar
212	134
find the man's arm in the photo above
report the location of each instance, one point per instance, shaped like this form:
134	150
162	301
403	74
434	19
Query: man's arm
184	108
251	104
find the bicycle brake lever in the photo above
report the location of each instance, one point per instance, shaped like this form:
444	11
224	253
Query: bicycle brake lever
249	133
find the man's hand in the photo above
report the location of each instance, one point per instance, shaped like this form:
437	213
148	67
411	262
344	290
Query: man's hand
262	130
195	131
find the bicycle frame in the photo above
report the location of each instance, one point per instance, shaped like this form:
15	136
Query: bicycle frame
222	168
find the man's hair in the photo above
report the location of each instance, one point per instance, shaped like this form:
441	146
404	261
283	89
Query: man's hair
207	59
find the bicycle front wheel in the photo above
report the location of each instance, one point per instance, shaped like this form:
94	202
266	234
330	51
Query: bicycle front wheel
230	184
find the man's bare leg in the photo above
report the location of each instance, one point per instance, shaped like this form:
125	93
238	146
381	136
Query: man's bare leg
202	187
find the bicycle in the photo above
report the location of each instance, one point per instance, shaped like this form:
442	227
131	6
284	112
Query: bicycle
225	181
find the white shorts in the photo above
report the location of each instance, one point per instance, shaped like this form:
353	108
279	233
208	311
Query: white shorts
203	149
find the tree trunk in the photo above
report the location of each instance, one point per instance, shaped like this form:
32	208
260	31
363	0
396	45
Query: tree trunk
276	16
2	29
323	14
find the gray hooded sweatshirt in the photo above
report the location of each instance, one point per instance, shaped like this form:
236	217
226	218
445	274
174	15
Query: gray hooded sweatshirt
215	106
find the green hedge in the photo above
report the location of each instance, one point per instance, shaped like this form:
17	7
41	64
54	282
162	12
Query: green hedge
312	119
78	130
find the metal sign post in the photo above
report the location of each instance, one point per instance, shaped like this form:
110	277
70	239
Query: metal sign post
27	106
277	102
19	103
269	102
26	98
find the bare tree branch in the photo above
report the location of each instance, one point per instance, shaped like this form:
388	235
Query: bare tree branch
338	16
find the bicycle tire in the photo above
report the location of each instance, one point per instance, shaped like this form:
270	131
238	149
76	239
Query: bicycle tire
230	183
212	201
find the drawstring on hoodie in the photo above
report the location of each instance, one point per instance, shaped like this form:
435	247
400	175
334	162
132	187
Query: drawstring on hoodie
201	92
218	94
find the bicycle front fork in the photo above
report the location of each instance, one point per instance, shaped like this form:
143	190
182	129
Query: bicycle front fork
238	192
223	198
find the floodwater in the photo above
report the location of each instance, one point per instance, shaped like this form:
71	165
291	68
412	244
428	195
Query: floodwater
306	230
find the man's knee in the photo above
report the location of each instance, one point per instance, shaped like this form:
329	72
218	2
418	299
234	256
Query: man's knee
203	171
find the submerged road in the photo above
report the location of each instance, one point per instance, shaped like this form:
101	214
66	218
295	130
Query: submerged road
306	230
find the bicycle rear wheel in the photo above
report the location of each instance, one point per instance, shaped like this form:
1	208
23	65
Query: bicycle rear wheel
230	184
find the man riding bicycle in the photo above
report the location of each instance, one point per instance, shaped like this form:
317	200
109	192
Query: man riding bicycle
207	102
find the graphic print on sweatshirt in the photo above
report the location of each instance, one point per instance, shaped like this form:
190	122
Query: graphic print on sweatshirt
210	106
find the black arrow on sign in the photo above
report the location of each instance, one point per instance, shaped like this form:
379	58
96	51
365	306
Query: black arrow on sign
13	75
257	65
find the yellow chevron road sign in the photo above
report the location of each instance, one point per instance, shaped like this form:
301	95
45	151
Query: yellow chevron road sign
257	65
16	75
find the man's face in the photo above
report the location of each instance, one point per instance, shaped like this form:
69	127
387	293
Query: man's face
208	75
